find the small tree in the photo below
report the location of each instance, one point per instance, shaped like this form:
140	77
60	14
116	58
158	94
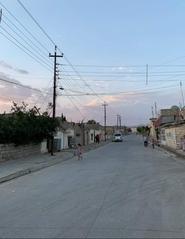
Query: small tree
91	122
63	118
24	126
144	130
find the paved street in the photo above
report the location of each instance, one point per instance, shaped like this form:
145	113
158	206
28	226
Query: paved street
120	190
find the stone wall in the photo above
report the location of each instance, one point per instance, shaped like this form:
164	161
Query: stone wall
180	133
170	138
9	151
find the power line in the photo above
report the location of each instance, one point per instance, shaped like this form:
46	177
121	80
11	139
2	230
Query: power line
125	72
47	35
23	33
26	48
17	20
47	93
45	62
66	82
95	93
36	22
126	76
123	66
18	84
130	80
68	75
128	92
22	48
78	74
106	66
74	104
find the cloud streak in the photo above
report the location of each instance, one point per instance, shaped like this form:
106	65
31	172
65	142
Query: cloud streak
11	90
10	67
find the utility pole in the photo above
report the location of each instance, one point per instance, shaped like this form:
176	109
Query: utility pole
182	95
105	120
54	90
152	108
1	13
155	104
118	122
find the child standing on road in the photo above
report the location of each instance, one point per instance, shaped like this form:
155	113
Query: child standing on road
79	151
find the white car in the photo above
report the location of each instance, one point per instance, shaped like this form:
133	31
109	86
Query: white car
118	137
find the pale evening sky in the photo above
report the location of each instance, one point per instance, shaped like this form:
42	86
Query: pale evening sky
108	42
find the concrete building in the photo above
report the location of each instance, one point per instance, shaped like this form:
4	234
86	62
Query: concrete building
90	132
174	115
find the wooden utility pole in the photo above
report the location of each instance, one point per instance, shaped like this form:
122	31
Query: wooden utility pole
155	104
105	120
54	90
152	108
119	122
1	13
182	95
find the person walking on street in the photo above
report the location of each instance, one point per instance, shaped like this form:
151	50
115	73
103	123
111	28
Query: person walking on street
79	152
145	141
97	138
153	143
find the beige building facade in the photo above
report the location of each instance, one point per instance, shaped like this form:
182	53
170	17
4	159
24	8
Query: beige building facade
172	135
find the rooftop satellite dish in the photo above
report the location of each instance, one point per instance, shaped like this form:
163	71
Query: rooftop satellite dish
175	107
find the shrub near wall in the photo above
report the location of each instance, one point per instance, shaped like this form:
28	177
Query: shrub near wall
22	129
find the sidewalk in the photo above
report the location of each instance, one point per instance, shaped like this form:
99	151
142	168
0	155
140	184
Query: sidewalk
16	168
178	152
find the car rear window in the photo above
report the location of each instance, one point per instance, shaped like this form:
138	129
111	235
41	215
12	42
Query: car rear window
117	135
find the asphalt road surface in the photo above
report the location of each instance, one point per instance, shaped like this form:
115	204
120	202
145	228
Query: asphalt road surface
120	190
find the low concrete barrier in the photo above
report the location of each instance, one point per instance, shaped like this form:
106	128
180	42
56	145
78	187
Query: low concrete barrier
10	151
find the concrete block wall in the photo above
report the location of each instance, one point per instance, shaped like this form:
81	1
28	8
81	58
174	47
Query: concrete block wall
170	138
9	151
180	132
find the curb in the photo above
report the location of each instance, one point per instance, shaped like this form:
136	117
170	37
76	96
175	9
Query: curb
32	170
23	172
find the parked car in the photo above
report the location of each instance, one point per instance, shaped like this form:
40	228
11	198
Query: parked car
117	137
